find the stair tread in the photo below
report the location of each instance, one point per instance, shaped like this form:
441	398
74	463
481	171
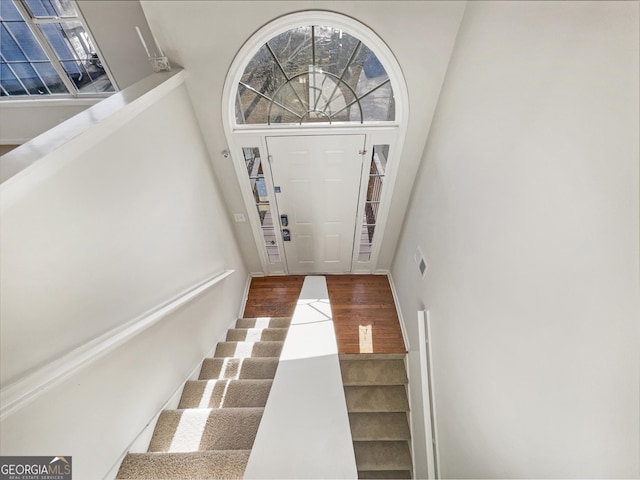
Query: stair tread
377	398
277	322
201	465
225	393
240	368
249	349
208	429
256	334
382	455
373	372
379	426
233	386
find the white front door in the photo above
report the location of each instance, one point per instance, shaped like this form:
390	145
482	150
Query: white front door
317	185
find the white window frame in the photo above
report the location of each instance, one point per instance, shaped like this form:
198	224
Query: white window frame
73	92
254	135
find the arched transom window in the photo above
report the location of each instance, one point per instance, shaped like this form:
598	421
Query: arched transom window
314	73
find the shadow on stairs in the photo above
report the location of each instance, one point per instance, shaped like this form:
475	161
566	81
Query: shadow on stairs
212	432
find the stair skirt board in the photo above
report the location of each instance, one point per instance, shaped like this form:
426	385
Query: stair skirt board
211	433
376	395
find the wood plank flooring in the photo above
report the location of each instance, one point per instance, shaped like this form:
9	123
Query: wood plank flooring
273	296
359	303
364	301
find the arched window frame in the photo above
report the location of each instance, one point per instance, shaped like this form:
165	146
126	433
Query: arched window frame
241	136
302	19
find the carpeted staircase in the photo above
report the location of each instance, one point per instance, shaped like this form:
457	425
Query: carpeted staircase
212	432
376	394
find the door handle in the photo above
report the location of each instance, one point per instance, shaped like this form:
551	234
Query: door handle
286	235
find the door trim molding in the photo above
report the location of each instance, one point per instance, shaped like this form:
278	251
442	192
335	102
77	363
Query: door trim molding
239	136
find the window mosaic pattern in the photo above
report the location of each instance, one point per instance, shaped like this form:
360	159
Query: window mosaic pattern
45	50
375	185
314	74
256	179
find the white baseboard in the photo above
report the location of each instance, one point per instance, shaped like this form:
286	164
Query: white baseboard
396	300
246	295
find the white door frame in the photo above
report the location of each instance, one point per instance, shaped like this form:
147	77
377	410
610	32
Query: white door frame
377	133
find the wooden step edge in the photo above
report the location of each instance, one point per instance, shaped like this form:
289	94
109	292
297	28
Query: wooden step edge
242	329
390	410
398	438
272	318
394	383
372	356
384	474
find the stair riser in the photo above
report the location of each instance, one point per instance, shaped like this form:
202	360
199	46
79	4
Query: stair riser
379	426
382	455
256	335
205	429
376	395
213	431
377	399
373	372
271	323
248	349
384	474
178	466
236	368
225	393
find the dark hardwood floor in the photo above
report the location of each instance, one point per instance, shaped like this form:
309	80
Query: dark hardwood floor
364	301
273	296
364	313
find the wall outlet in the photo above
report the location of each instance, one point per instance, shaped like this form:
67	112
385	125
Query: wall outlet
239	217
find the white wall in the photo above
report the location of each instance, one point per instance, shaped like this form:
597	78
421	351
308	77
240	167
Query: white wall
23	120
113	26
420	35
104	228
526	205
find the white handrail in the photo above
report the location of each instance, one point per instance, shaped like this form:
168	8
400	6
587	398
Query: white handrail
424	337
28	387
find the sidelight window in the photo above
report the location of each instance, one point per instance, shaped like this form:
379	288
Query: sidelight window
256	179
375	184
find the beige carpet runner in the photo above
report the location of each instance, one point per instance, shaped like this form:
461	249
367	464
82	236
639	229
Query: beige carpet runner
376	394
212	432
